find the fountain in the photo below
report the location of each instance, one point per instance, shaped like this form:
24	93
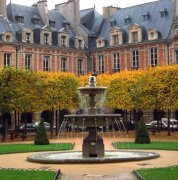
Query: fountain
93	147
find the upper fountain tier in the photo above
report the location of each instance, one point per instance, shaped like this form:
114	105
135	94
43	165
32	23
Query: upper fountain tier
92	89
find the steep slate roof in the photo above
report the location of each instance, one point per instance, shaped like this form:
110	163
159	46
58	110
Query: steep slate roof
4	25
136	14
27	12
91	21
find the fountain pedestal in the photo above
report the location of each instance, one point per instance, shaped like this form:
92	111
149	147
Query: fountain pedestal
93	145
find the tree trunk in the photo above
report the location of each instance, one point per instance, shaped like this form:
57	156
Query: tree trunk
52	122
57	123
5	127
126	121
158	120
168	124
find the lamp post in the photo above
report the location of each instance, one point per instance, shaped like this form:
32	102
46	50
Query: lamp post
17	50
167	49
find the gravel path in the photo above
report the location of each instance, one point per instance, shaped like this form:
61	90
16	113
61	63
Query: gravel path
119	171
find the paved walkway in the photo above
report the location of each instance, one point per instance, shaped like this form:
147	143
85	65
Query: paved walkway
119	171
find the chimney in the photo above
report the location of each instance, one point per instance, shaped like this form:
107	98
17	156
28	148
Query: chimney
43	10
71	11
3	10
108	11
175	8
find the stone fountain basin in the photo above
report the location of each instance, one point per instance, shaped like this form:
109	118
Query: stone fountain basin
76	157
92	90
92	120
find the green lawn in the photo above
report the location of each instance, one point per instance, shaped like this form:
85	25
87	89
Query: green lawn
9	174
21	148
152	145
168	173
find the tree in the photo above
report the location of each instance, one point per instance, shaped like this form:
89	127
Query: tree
60	93
142	136
41	135
20	90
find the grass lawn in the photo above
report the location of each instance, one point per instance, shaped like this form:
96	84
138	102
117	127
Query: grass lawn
9	174
21	148
168	173
152	145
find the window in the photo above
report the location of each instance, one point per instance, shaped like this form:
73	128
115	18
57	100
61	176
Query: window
20	19
28	61
116	63
154	57
112	22
63	41
176	30
8	38
46	38
52	24
164	12
127	20
134	36
176	57
100	64
80	44
80	67
146	16
35	20
7	60
115	39
46	66
28	37
135	59
64	64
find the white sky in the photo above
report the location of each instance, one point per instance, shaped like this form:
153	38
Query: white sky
85	4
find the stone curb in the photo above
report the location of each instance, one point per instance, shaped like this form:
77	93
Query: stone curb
137	175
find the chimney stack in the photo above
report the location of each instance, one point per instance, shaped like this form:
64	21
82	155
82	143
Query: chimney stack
175	8
108	11
3	10
43	10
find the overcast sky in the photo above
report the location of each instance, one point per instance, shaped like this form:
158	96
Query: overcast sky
85	4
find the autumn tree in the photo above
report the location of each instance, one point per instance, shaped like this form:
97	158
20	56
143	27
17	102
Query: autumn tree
60	93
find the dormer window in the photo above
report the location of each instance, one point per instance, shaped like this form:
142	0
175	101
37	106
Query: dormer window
46	38
7	37
164	12
134	36
116	36
28	37
66	25
176	30
127	20
152	34
19	18
146	16
35	20
63	38
135	33
79	42
63	41
112	22
100	42
52	24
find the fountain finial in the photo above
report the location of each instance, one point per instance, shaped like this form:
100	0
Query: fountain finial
92	81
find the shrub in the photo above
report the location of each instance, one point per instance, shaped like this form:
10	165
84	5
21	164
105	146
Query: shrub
142	136
41	135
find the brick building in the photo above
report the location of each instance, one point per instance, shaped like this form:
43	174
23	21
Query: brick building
68	39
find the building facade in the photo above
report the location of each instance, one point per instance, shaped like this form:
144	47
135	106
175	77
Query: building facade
68	39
